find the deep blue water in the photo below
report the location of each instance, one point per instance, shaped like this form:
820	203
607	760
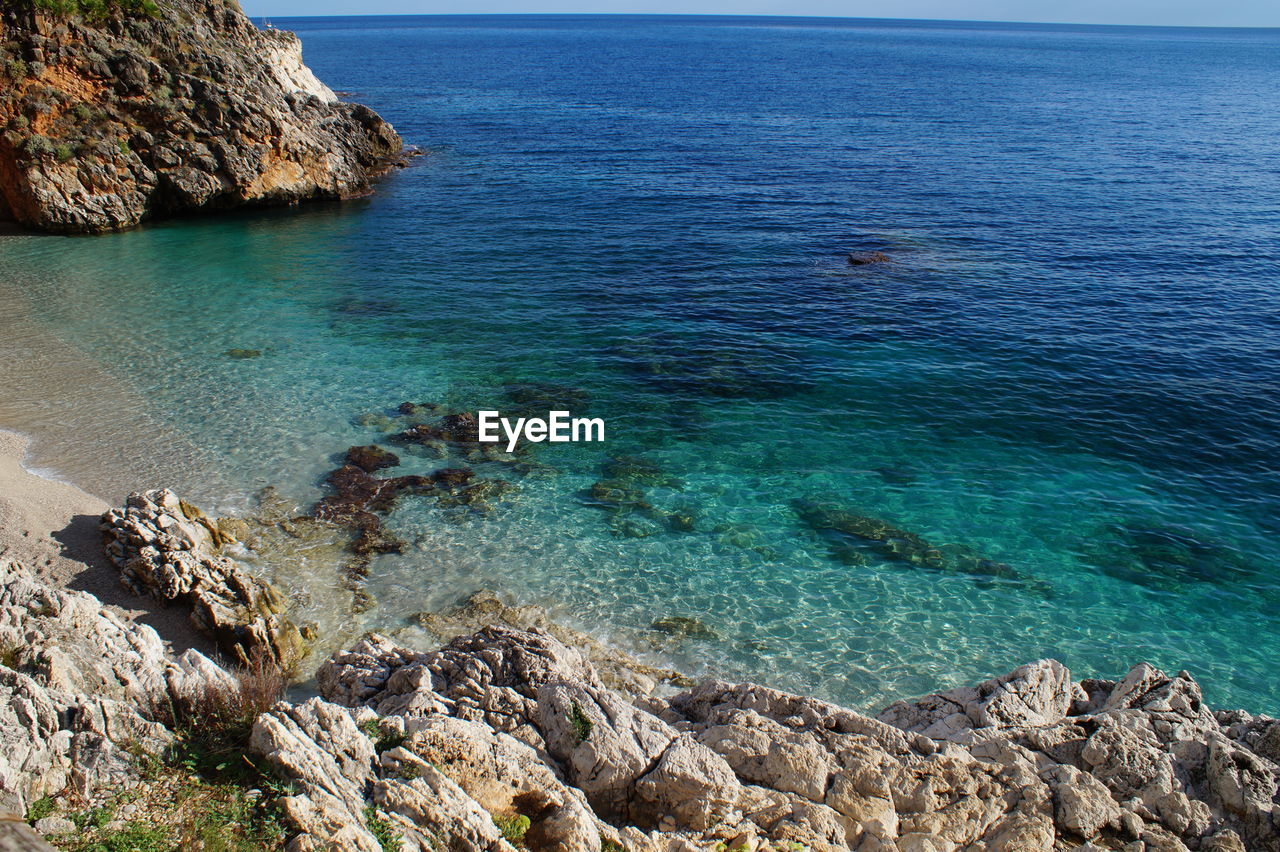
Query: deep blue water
1064	380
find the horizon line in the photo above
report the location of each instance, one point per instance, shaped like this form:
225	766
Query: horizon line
772	15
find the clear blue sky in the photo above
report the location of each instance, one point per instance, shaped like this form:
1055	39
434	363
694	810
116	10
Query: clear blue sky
1224	13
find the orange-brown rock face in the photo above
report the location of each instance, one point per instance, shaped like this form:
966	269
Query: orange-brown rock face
106	123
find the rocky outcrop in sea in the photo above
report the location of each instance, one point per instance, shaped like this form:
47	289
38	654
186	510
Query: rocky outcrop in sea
517	734
113	113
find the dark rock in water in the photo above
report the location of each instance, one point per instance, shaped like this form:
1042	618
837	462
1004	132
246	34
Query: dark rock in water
634	470
371	542
358	500
699	367
635	527
452	477
412	408
244	354
618	495
684	627
846	554
371	458
356	489
1164	556
420	433
461	428
850	534
866	258
682	520
896	475
536	398
375	421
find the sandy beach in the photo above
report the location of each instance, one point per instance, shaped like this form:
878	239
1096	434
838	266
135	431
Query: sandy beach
51	528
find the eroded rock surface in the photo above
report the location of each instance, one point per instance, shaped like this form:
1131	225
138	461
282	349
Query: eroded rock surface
509	738
104	124
1030	760
76	687
167	549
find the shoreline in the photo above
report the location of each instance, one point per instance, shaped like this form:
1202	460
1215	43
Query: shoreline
50	525
521	736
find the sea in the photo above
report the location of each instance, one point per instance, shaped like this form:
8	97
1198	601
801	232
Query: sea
1048	425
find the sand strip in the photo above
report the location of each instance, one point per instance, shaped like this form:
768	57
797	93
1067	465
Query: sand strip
51	527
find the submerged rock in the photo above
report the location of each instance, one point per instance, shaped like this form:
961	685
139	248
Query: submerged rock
638	472
166	549
884	539
536	399
851	536
417	409
244	354
1165	557
684	627
701	367
372	458
866	258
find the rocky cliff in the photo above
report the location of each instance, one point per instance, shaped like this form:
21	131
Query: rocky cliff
510	737
112	113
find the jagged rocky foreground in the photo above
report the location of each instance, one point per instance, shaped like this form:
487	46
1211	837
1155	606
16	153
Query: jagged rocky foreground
106	123
443	749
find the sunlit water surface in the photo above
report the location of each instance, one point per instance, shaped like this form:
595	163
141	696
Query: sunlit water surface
1066	375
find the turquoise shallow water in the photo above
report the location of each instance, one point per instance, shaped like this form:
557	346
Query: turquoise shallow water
1064	379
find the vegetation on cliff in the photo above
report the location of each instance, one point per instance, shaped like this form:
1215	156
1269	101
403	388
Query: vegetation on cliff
115	111
93	10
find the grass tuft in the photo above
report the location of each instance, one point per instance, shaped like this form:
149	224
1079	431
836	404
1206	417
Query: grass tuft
581	724
513	827
388	838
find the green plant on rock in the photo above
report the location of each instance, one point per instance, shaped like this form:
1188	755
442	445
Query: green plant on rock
132	837
387	741
383	832
62	153
40	808
581	724
37	146
16	69
608	844
11	656
91	10
513	827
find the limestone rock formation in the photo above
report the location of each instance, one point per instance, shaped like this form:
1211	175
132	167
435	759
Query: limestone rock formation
168	549
1030	760
76	683
168	108
509	738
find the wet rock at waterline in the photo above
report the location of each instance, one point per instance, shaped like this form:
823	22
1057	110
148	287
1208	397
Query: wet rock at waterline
168	550
617	669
